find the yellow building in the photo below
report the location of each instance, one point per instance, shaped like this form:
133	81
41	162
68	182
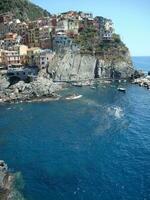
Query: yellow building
22	49
16	56
22	52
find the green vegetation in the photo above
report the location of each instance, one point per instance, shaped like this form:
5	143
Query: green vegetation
22	9
88	38
114	44
89	41
113	50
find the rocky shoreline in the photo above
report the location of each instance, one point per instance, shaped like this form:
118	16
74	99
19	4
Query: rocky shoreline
41	89
10	95
7	184
143	81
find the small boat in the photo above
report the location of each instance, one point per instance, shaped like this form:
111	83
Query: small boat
77	84
121	89
73	97
93	87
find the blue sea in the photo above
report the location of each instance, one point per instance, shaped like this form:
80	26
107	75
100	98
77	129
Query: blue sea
93	148
142	63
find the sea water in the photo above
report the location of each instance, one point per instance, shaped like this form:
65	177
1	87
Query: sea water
93	148
142	63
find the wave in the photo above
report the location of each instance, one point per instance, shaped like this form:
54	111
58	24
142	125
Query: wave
115	111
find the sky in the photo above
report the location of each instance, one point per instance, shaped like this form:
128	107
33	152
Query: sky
131	18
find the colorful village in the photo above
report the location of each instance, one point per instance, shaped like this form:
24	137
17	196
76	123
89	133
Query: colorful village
33	44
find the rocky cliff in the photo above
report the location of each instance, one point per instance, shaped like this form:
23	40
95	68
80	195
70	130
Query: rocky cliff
116	67
72	66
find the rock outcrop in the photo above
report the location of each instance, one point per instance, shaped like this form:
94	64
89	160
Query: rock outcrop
116	68
143	81
72	66
7	184
21	91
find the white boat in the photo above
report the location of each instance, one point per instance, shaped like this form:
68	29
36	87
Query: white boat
93	87
121	89
77	84
73	97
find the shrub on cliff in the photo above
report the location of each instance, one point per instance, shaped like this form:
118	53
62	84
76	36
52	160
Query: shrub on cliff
116	38
87	38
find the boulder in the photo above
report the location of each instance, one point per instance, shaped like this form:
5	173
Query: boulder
43	86
138	74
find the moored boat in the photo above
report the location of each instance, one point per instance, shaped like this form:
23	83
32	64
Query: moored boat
77	84
121	89
93	87
73	97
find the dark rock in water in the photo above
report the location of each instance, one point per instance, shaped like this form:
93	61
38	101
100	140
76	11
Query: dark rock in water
148	73
138	74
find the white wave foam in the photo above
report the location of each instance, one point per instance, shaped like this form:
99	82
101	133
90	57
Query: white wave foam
116	111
